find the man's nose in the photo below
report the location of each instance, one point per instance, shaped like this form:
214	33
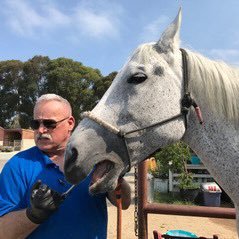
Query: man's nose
42	128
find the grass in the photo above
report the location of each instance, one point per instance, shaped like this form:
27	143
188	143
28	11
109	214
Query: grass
170	198
174	198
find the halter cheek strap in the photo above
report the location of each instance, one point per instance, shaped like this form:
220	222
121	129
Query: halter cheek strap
187	100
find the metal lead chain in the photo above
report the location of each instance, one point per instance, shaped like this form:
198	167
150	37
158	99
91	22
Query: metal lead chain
136	223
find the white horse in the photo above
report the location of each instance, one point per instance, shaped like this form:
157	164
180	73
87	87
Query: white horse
151	89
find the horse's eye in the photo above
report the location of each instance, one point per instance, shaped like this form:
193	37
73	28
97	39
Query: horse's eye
137	78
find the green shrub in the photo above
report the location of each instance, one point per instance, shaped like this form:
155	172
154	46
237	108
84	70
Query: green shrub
186	181
7	149
172	157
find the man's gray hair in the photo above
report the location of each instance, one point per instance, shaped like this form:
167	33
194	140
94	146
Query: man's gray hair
54	97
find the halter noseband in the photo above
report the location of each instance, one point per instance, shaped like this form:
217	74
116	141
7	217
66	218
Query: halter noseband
186	103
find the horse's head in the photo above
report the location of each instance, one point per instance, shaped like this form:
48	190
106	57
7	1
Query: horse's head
148	89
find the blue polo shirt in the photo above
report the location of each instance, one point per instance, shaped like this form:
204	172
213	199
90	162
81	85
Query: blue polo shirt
80	216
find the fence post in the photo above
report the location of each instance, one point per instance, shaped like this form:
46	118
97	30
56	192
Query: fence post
142	200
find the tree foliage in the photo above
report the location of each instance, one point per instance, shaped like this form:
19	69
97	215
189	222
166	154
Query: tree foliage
21	83
102	84
10	76
72	81
31	87
172	157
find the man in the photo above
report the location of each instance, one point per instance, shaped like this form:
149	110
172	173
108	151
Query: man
30	208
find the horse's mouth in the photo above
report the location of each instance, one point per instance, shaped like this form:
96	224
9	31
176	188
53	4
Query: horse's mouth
101	170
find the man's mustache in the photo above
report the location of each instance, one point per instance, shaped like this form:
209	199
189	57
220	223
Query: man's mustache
44	136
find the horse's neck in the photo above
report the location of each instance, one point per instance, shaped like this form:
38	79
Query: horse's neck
214	139
217	144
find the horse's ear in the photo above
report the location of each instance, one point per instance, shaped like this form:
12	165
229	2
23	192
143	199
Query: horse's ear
170	37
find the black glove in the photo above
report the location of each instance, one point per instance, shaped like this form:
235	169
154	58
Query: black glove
43	202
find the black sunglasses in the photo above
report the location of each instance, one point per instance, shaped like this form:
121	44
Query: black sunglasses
47	123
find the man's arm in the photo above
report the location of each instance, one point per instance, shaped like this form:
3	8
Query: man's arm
13	224
16	225
125	195
19	224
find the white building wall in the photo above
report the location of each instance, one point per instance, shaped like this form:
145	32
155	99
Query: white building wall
27	143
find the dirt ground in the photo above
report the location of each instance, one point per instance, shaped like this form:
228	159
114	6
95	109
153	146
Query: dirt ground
201	226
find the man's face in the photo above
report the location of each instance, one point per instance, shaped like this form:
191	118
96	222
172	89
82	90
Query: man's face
47	139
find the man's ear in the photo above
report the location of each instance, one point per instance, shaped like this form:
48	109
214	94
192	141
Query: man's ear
71	122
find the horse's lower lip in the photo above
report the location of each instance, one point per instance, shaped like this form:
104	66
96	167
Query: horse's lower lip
94	187
101	169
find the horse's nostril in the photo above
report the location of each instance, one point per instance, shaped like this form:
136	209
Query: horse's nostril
74	155
70	159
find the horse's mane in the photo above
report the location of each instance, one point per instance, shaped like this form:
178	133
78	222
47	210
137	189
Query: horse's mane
217	83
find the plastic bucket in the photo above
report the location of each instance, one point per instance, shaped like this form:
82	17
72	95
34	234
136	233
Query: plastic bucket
181	233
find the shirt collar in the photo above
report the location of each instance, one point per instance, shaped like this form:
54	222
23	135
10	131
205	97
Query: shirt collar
45	158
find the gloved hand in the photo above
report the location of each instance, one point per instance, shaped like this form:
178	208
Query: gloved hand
43	202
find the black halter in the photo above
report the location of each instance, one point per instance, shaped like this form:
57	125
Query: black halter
186	103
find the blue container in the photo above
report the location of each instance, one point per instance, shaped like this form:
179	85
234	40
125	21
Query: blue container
181	233
195	160
212	199
211	194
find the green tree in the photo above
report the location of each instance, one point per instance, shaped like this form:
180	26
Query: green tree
172	157
102	84
22	83
73	81
10	76
31	86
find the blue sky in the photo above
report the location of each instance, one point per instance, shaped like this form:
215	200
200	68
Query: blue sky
103	33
